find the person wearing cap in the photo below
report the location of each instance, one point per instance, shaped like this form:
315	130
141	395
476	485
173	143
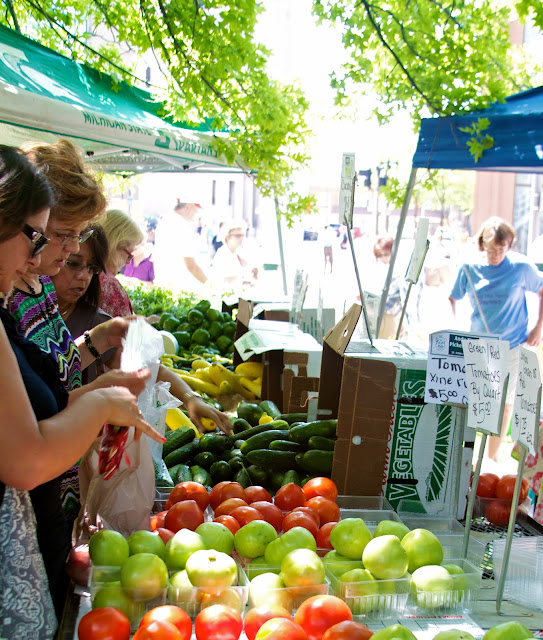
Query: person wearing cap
231	266
176	246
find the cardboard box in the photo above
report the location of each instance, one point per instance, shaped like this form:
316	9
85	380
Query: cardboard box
308	320
389	441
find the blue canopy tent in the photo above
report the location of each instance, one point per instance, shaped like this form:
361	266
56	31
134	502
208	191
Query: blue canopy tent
516	126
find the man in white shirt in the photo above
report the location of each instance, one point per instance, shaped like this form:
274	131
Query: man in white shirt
176	248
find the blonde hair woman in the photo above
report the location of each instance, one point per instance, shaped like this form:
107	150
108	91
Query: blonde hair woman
123	235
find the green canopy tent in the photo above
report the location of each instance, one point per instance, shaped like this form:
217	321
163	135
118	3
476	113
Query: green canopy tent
44	96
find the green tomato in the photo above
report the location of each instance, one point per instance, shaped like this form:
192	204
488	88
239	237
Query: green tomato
349	537
302	568
454	634
508	631
385	557
116	596
179	548
108	548
423	548
145	575
252	539
338	564
394	632
216	536
295	538
146	542
210	568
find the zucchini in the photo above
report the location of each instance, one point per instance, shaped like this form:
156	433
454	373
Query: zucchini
286	445
268	426
302	433
274	460
176	439
183	454
316	461
319	442
291	476
270	408
220	471
293	417
262	440
242	476
215	442
205	459
258	475
183	474
239	425
199	474
250	412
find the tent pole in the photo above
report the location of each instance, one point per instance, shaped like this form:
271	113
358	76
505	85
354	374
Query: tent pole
281	247
399	232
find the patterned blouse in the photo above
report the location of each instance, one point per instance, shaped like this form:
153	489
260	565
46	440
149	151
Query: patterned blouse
38	318
115	300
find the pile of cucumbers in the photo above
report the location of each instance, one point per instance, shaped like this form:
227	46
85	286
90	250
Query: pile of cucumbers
266	448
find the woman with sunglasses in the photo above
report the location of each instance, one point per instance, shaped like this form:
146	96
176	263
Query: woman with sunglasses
123	235
41	435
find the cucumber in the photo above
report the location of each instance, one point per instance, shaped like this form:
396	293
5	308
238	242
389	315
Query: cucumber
205	459
215	442
183	474
239	425
199	474
262	440
242	476
220	471
258	475
275	479
306	480
324	428
237	463
173	472
319	442
176	439
183	454
291	476
270	408
286	445
274	460
293	417
275	424
316	461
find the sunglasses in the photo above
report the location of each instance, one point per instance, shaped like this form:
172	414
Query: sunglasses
78	267
65	239
37	238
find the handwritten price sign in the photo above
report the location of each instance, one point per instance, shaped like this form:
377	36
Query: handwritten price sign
487	364
526	409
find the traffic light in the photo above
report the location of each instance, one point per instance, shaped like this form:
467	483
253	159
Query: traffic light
367	177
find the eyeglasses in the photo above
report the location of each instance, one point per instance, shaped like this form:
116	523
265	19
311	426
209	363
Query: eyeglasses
37	238
65	239
382	255
78	267
129	256
499	249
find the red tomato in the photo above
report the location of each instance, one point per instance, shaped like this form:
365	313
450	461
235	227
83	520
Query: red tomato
229	522
190	490
289	496
299	519
486	487
165	534
323	535
107	623
310	512
328	511
157	521
256	493
246	514
348	630
497	512
320	487
172	614
158	630
215	494
184	515
506	487
232	490
270	513
226	507
319	613
280	629
218	622
257	616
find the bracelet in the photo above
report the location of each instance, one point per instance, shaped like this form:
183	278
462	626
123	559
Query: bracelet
88	342
188	395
